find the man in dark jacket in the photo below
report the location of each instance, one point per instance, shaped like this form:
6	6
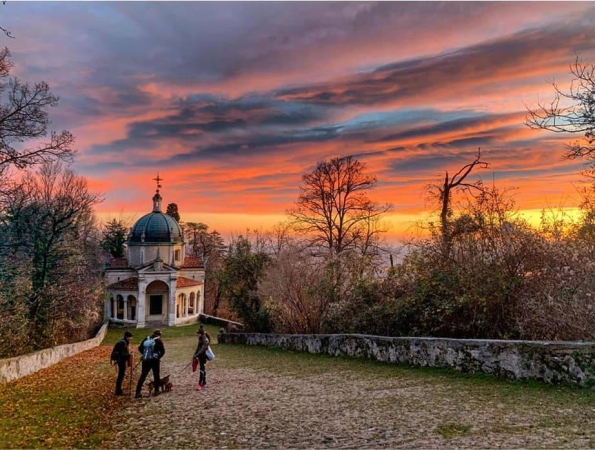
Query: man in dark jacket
200	354
151	353
121	356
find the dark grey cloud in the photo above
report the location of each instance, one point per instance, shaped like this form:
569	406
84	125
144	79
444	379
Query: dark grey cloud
446	125
122	44
426	163
263	123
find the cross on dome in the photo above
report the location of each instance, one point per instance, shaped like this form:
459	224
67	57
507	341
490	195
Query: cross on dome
157	196
158	180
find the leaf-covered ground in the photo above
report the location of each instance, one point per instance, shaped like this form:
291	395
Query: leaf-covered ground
66	405
269	398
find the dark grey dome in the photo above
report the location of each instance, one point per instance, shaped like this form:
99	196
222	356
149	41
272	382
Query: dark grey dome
155	227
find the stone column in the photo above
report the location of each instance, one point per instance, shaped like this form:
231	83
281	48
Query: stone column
201	301
141	301
171	308
125	316
106	308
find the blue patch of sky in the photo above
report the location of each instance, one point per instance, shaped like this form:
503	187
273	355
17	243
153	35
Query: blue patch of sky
398	117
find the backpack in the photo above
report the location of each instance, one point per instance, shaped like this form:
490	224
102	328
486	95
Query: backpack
149	348
115	356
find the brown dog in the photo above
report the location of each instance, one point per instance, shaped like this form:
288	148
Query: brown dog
164	384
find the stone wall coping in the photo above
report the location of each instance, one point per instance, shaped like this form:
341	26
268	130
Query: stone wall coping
23	365
555	362
577	344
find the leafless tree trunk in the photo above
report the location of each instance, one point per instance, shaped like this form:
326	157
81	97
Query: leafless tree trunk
333	209
445	197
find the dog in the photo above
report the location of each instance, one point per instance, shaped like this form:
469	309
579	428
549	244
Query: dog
164	384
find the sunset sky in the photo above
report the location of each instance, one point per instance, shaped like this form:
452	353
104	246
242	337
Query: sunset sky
231	103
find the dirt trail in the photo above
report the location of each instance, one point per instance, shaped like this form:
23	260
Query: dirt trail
260	409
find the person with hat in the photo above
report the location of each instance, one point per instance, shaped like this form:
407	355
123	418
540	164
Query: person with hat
200	355
152	350
121	357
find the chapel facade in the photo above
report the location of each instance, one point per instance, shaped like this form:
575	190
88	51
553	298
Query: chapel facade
155	283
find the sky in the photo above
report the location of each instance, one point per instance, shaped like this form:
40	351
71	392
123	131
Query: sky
231	103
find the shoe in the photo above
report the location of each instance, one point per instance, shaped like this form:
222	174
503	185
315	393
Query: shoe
156	393
138	395
120	393
198	387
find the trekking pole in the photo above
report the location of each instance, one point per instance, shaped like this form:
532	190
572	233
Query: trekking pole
130	384
132	369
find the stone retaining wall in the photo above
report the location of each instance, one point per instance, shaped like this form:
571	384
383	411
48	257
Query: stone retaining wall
551	362
20	366
225	323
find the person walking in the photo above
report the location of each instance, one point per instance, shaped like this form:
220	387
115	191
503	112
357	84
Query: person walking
200	355
121	357
152	350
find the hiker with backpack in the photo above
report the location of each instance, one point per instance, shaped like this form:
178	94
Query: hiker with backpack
200	355
152	350
121	357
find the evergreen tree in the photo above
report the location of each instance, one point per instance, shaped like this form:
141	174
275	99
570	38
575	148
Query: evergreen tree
172	211
114	238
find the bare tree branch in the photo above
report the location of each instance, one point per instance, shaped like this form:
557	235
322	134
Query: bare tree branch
571	111
333	208
24	117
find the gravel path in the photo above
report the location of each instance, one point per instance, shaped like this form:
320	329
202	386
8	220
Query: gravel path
259	408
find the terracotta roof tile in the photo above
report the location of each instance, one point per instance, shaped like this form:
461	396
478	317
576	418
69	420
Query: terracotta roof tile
192	262
118	263
128	284
183	282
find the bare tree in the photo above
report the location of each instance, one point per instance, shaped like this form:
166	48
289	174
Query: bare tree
51	248
23	118
571	111
195	233
295	286
210	248
333	208
444	192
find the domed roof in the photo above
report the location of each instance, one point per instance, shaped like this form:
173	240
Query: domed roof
155	227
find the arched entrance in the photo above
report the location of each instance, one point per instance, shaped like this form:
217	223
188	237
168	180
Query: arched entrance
131	307
156	301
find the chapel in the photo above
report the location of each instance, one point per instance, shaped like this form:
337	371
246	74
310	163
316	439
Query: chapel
156	283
